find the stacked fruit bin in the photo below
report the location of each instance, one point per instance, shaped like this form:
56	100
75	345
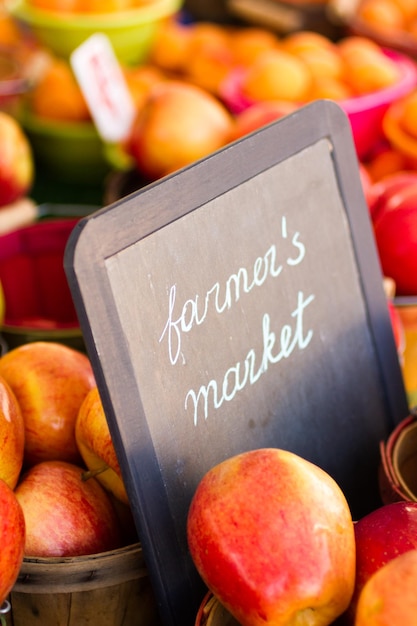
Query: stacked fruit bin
196	85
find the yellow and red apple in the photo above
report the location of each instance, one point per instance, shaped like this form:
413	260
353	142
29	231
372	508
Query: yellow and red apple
389	597
179	123
50	381
380	536
271	535
16	160
66	515
12	539
96	447
12	436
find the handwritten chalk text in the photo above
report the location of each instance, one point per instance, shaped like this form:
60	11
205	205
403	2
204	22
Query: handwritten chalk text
221	297
292	336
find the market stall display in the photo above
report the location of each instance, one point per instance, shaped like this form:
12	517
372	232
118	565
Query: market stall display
189	196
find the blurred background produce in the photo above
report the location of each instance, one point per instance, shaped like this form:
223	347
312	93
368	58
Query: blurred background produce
239	68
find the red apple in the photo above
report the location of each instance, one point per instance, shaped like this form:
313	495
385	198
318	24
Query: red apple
50	381
12	539
16	160
66	515
180	123
389	596
380	536
272	537
389	186
395	229
12	436
260	114
96	445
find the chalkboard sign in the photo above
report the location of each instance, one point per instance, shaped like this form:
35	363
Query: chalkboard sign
234	305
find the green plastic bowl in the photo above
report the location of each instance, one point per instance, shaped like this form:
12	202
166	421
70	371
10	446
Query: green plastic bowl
67	151
130	32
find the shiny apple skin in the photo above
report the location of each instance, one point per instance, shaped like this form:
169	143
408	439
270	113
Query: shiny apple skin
12	539
96	447
389	596
179	124
16	161
64	514
380	536
50	381
272	537
395	228
12	436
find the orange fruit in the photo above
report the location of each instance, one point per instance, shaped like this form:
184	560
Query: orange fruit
385	163
277	75
407	7
382	15
140	80
58	96
412	27
303	40
209	68
329	88
356	45
248	43
169	49
325	61
408	118
209	58
207	35
368	69
10	34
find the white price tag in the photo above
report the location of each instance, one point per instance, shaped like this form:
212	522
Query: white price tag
104	87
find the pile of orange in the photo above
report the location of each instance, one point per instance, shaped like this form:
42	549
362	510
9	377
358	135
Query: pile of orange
299	67
315	67
389	17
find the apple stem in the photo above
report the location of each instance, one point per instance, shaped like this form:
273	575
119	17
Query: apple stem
92	473
4	608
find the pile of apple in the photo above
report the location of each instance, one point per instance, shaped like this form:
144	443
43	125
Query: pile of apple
272	536
61	491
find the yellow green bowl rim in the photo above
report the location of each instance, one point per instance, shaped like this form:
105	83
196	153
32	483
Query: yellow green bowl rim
42	125
151	11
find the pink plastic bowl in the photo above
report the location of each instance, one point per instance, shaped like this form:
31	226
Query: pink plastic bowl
365	112
38	302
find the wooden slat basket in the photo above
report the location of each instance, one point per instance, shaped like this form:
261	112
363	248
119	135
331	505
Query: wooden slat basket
106	589
213	613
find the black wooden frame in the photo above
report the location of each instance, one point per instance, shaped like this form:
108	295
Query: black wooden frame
112	229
